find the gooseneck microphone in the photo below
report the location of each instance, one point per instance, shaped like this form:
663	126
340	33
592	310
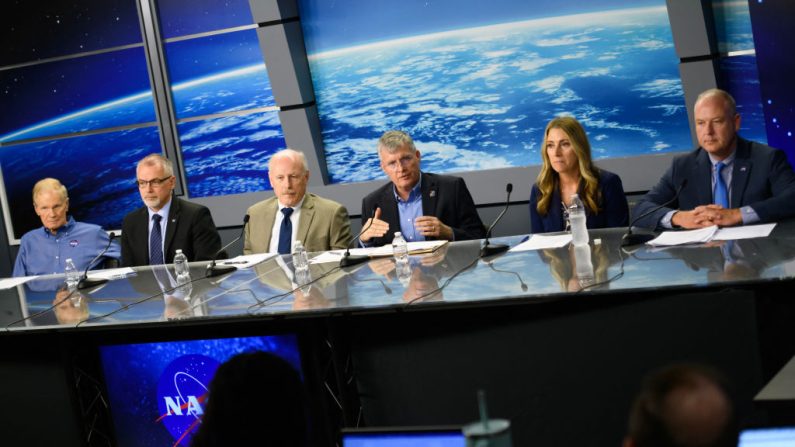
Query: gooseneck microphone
511	272
86	283
348	260
217	270
495	249
630	238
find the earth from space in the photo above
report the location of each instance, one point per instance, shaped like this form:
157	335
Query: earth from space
222	155
479	98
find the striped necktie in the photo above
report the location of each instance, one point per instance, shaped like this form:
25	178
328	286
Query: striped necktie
156	242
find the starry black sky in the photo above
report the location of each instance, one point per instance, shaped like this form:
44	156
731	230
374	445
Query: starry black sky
33	30
774	36
48	90
183	17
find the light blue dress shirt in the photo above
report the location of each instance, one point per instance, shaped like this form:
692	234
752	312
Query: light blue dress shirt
408	211
42	253
749	216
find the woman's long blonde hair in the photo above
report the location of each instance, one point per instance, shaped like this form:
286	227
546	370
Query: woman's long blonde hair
548	180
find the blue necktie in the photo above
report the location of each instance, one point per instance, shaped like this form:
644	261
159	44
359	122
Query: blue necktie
286	232
721	192
156	242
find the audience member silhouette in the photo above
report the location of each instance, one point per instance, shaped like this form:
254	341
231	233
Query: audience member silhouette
254	399
682	406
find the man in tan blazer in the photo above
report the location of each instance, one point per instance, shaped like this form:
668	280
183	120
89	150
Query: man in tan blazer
293	214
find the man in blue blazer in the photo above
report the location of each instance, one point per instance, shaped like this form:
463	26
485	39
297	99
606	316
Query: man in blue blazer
726	181
420	205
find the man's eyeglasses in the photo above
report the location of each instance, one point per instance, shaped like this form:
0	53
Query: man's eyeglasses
403	162
156	183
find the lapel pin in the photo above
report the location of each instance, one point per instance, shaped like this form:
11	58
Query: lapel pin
433	193
742	169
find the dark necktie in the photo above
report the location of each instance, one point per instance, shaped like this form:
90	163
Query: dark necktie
286	232
156	242
721	191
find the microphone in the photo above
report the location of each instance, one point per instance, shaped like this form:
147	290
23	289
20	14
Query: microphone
217	270
630	239
518	276
491	250
348	260
86	283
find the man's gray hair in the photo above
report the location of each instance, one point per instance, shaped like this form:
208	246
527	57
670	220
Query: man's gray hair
158	160
723	94
49	184
393	140
292	155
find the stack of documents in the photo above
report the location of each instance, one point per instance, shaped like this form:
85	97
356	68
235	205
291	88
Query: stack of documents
415	248
540	242
246	261
713	233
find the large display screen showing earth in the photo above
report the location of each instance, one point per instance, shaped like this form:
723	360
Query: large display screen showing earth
479	97
221	154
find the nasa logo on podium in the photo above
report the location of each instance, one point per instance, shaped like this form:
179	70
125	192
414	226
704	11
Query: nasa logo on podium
182	394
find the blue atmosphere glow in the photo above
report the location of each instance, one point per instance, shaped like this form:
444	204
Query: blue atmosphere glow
479	97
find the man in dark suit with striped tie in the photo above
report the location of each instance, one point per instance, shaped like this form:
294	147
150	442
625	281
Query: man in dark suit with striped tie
152	234
726	181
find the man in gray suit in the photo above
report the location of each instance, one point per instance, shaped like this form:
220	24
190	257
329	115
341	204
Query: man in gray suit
293	214
726	181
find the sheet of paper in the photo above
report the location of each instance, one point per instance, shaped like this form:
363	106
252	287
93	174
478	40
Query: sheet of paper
667	238
414	248
377	252
336	255
7	283
246	261
744	232
328	256
540	242
111	273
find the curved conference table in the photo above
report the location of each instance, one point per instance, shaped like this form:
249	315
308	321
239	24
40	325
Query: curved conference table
560	355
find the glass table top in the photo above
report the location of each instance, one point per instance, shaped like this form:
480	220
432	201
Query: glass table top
453	274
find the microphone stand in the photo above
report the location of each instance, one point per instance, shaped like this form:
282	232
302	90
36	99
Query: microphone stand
85	282
630	238
495	249
348	260
218	270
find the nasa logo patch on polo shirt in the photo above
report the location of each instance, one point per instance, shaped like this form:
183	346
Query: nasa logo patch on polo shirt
73	243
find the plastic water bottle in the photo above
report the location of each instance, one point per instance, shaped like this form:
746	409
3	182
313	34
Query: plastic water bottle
584	266
579	233
301	264
72	274
403	270
400	248
181	268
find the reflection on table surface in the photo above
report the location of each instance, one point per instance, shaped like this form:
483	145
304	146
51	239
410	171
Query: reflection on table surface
452	274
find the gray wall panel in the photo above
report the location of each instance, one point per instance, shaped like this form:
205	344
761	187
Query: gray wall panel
285	57
692	25
302	132
273	10
697	76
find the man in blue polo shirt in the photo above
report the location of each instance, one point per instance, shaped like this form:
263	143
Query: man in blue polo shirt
45	250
